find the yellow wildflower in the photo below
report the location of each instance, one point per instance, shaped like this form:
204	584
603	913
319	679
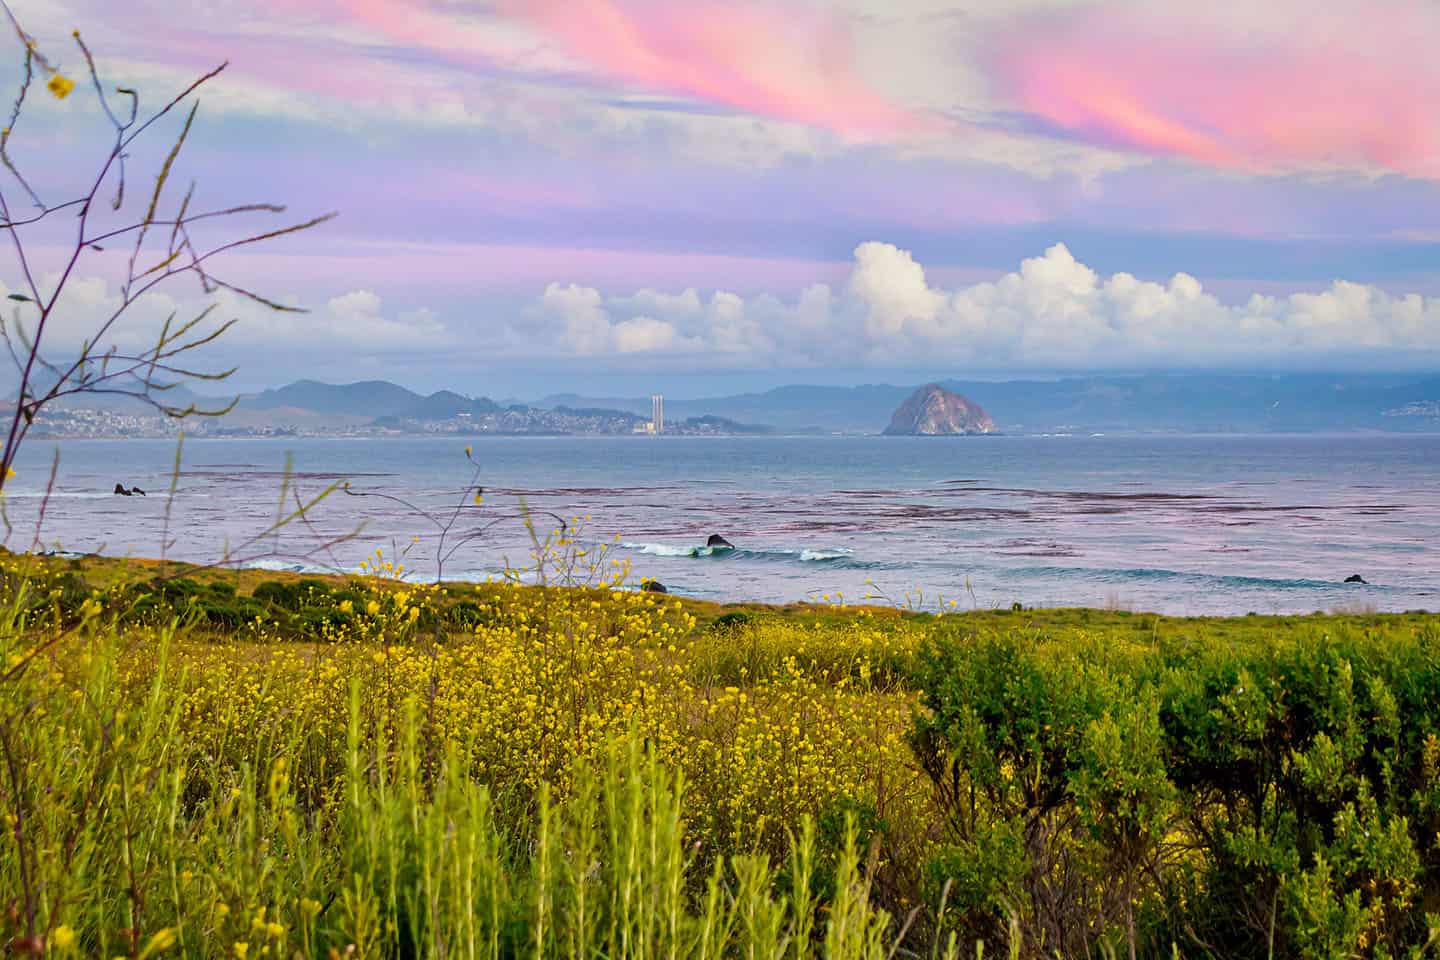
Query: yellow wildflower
60	85
162	940
241	949
62	937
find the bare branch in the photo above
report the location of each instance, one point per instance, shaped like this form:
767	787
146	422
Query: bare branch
15	110
180	222
250	295
160	181
99	90
174	102
45	501
101	368
271	235
47	211
180	218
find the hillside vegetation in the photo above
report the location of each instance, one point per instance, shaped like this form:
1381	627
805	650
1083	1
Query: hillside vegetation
211	764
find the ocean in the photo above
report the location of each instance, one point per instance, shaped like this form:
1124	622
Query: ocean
1171	524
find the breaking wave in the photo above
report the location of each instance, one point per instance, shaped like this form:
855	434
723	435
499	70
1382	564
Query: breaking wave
286	566
836	556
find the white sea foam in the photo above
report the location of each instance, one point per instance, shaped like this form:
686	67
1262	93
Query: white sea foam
673	550
667	550
286	566
819	556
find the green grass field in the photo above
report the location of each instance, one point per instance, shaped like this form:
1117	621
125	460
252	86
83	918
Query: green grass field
242	764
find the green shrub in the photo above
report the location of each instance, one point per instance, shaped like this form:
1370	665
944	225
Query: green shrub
229	615
1277	796
468	613
734	620
278	593
220	589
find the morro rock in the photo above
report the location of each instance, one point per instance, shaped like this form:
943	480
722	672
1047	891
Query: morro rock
933	411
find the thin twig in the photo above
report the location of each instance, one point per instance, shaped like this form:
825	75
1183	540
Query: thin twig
45	501
170	499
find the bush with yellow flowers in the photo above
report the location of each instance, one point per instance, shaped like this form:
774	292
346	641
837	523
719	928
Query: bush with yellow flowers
518	788
543	678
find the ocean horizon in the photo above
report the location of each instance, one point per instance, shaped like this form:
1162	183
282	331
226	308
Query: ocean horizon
1184	525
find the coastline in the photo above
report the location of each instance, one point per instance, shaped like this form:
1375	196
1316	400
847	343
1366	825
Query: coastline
105	573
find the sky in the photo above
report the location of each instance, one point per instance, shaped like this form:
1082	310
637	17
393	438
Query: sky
609	197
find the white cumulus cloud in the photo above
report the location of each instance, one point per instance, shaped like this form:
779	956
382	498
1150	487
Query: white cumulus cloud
1052	312
351	324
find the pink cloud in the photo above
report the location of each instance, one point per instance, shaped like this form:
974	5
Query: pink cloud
429	273
794	64
1347	85
283	46
771	58
419	24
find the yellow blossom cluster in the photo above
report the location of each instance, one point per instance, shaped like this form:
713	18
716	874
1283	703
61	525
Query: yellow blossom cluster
768	723
252	739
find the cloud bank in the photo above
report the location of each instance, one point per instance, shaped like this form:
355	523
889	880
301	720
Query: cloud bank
1281	86
351	325
1054	312
766	58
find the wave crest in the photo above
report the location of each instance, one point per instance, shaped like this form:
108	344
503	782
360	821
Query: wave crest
839	556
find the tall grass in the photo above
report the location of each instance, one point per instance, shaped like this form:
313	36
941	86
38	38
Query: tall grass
130	835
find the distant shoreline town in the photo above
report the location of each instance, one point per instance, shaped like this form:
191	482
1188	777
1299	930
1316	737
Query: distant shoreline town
1155	403
94	424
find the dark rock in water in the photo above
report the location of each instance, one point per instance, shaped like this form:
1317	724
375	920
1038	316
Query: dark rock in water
933	411
1355	578
653	586
137	491
719	542
120	490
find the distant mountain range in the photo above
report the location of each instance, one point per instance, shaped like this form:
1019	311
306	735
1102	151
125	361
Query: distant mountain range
374	398
1190	403
383	405
1291	402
